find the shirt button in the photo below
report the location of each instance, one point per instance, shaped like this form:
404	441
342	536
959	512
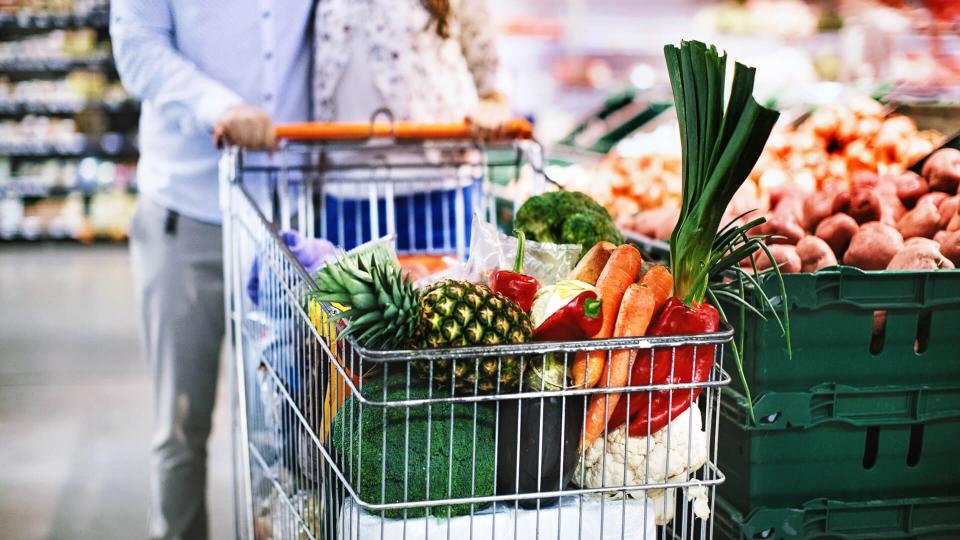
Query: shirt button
268	97
268	55
266	14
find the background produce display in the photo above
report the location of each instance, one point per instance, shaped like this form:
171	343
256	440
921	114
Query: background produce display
893	221
817	183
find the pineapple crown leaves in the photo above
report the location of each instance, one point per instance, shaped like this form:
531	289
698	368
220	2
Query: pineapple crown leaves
383	304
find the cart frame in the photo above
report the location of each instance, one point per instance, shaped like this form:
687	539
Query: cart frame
310	359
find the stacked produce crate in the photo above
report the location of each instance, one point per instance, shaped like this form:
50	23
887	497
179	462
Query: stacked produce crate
854	434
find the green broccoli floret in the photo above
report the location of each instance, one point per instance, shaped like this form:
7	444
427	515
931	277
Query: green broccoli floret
536	218
568	217
380	478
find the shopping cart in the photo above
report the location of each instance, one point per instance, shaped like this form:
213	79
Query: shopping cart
336	441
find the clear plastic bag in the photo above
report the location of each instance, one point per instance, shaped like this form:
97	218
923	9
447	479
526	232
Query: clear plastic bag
491	250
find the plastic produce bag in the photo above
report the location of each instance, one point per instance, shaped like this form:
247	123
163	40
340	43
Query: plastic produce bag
490	250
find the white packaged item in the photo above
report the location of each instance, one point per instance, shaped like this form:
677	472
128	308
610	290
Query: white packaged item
563	520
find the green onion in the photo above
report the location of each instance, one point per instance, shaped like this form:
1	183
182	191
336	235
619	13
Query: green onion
720	144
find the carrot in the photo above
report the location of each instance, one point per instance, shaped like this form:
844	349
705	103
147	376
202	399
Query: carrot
659	279
619	272
636	312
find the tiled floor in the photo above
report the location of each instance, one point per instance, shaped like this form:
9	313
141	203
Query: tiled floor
75	401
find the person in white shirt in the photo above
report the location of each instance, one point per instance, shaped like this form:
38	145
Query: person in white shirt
424	61
235	65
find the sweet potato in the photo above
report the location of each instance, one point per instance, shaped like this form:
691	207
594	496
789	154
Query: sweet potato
864	180
865	206
665	227
942	170
779	188
940	237
948	208
954	224
923	221
841	202
873	247
652	222
950	247
920	256
887	230
815	254
816	208
785	255
786	229
885	185
921	241
891	209
866	203
910	187
934	197
790	206
836	231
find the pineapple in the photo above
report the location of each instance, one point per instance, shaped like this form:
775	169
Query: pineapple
387	312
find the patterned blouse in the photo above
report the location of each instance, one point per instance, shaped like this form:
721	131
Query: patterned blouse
419	75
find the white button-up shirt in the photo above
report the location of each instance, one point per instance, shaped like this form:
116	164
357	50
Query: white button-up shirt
190	60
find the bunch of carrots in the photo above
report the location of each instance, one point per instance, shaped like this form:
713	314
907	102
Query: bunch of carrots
629	307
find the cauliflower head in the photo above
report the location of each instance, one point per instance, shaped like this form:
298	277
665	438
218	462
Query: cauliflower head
621	460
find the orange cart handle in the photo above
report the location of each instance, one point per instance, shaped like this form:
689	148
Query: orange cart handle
316	131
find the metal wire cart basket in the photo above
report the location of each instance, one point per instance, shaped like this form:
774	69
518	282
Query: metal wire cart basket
336	441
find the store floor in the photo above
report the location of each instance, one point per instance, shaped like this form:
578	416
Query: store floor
75	401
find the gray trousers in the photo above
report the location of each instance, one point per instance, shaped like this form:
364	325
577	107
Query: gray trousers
178	276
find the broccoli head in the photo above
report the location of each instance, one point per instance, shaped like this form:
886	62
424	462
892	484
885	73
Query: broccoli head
567	217
380	477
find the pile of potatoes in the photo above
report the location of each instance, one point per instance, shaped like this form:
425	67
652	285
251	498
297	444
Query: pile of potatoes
900	221
838	141
823	153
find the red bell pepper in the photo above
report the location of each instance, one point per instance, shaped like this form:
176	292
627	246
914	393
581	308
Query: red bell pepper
652	411
517	287
579	319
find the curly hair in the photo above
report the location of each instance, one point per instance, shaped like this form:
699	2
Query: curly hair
439	16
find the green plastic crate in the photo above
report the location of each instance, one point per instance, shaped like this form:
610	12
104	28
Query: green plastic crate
931	518
603	144
609	106
831	324
840	442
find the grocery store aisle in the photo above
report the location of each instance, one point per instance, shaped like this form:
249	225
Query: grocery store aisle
75	401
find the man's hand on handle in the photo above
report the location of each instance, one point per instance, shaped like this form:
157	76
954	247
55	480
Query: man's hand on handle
245	126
